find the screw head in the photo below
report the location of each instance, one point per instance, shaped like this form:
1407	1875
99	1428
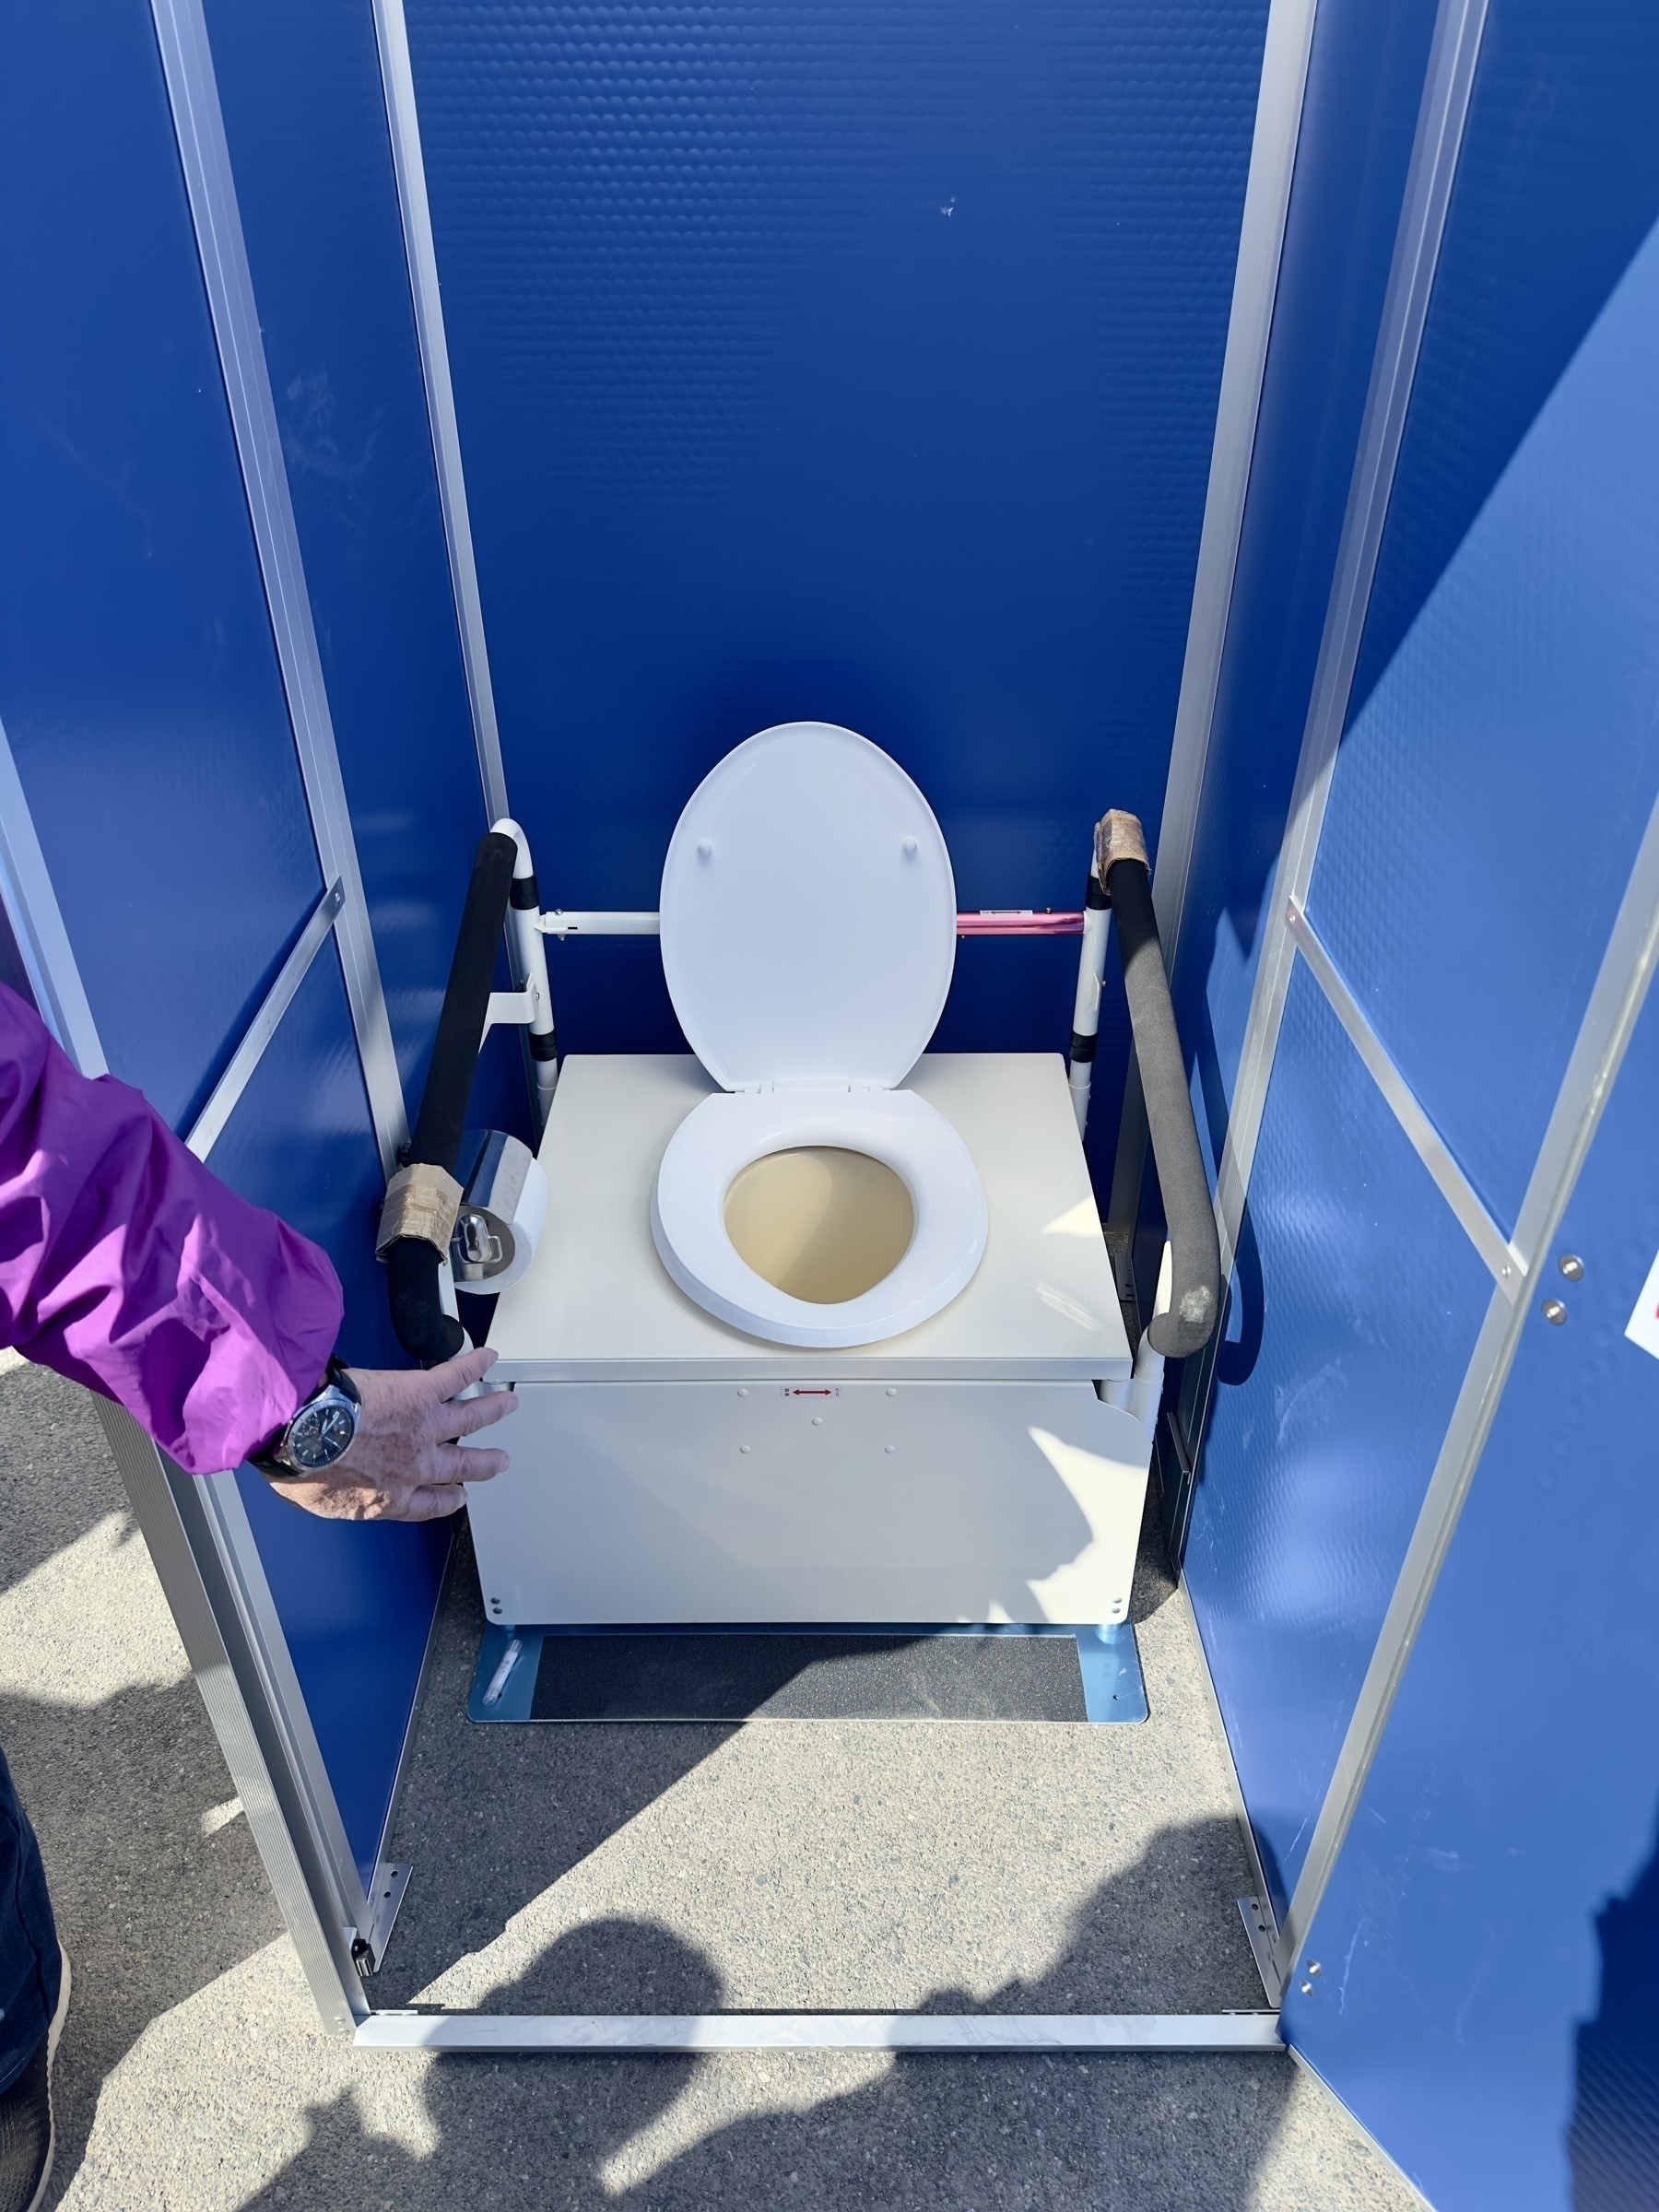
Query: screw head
1554	1311
1314	1966
1572	1266
1307	1989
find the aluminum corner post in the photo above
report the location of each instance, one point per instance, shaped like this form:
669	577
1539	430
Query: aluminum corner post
199	125
1441	114
1444	108
420	256
36	923
197	1537
1285	52
1621	986
403	123
208	1596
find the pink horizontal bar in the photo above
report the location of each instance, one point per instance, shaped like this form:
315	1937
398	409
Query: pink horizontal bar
1013	925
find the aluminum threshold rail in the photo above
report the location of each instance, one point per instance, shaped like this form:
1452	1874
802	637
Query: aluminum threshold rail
961	2031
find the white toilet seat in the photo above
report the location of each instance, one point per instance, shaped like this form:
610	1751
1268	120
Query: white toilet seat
808	931
718	1139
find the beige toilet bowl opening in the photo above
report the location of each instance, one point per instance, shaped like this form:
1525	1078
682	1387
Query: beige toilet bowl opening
819	1222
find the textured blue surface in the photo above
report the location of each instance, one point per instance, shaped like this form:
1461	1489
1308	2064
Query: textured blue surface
139	687
1365	76
1354	1309
355	1601
1557	185
300	85
850	361
138	681
1488	799
1490	1939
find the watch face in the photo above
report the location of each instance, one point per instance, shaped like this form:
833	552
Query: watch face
322	1433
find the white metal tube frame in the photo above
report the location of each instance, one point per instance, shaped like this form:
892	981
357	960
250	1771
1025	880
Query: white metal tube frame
1090	925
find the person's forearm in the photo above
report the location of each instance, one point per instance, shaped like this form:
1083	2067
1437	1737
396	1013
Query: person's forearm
127	1265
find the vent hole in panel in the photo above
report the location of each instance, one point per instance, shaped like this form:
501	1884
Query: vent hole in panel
819	1222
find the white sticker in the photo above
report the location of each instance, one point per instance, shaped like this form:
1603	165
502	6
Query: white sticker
1643	1327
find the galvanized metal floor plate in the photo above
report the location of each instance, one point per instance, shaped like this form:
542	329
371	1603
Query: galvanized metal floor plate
864	1672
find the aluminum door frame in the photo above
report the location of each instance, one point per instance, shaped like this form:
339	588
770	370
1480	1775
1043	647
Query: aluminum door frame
1277	132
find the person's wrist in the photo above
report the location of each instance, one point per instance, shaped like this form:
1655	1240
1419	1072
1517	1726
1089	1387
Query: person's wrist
267	1456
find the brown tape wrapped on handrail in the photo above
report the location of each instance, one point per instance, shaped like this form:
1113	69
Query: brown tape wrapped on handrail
1118	836
421	1201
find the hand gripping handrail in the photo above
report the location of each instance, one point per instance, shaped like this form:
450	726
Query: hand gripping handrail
414	1234
1195	1291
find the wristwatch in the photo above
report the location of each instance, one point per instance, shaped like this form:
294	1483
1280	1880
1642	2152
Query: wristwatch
322	1430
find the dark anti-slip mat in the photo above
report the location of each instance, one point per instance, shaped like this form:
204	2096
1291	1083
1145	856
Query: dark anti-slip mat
808	1677
865	1673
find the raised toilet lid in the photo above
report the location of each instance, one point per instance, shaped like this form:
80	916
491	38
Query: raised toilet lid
808	913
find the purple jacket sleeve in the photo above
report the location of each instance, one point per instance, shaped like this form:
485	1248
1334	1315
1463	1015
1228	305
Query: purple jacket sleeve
126	1265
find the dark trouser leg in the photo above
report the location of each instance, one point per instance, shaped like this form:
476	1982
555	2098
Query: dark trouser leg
30	1968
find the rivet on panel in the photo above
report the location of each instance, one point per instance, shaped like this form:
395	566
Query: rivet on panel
1554	1311
891	1392
742	1393
890	1447
744	1448
818	1421
705	850
910	848
1572	1266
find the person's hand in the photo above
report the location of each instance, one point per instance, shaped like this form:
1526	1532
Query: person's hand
406	1463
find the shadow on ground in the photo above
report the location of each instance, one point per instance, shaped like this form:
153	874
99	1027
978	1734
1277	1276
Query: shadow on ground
231	2098
1060	2131
156	1883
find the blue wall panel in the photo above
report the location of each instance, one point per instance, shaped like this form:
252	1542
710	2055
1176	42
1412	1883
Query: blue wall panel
355	1601
300	83
1489	1942
1488	799
1351	1322
1365	79
1557	185
138	681
853	361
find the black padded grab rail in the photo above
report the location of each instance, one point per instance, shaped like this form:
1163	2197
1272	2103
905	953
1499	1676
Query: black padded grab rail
1196	1253
423	1328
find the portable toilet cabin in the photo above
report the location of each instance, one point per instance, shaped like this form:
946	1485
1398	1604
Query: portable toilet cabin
421	415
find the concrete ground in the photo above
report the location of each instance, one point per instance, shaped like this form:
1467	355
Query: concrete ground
829	1864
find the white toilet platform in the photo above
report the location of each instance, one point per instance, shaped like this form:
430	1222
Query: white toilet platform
667	1468
597	1305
